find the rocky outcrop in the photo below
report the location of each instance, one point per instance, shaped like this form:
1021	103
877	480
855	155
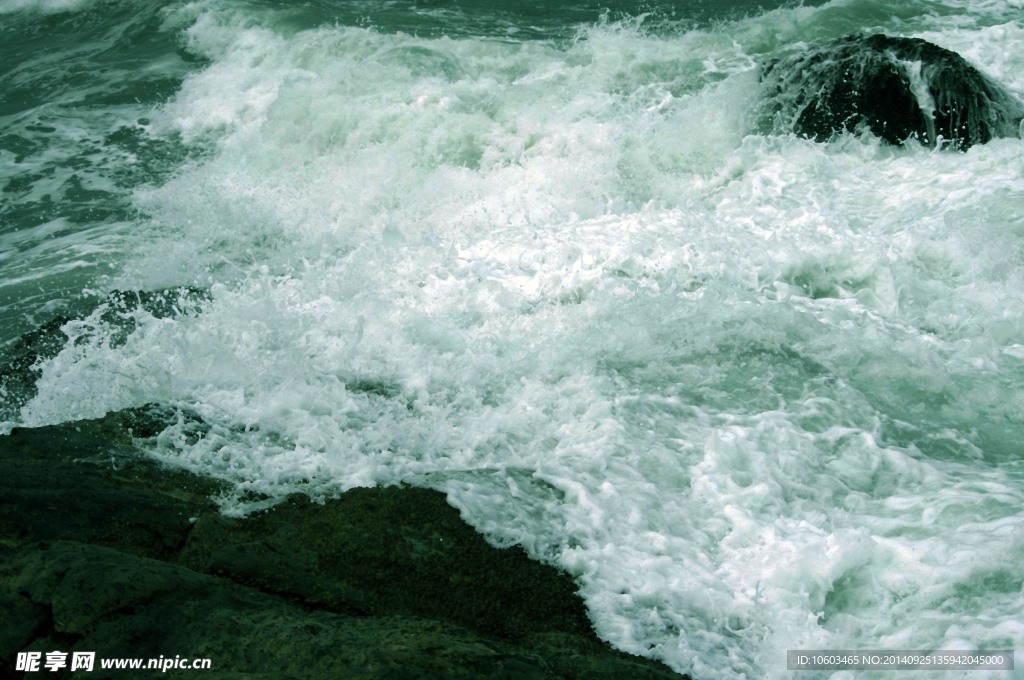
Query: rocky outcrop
105	550
899	89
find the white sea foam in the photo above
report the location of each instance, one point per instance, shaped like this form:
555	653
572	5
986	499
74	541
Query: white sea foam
755	393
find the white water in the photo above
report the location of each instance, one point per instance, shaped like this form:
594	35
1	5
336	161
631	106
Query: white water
755	393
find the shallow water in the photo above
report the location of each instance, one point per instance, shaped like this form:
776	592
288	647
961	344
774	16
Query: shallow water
756	393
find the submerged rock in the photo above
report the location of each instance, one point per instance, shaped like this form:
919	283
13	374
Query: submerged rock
114	317
104	550
897	88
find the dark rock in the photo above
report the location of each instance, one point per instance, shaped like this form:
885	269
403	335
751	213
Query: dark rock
86	481
393	551
897	88
104	550
22	622
126	606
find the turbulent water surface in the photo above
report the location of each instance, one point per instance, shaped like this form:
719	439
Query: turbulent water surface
755	392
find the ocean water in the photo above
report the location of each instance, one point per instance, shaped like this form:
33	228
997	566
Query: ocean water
755	392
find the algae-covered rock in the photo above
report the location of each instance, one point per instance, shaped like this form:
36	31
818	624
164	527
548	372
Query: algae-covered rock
104	550
126	606
86	481
396	551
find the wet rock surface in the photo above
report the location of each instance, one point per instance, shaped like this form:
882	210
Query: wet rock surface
104	550
897	88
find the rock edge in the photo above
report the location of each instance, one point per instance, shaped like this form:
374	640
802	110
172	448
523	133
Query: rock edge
104	550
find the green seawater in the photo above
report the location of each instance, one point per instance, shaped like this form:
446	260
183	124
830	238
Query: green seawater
754	392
